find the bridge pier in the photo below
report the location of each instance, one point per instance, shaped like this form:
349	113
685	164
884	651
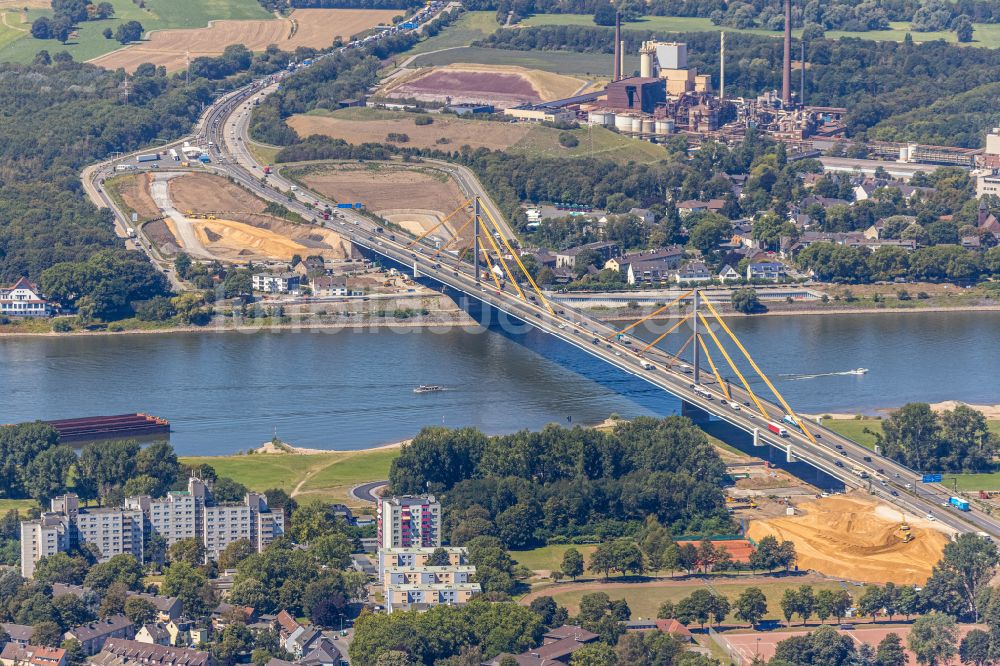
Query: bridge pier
416	271
789	457
756	438
693	412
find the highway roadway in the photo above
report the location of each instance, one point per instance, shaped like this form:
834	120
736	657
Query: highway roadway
225	126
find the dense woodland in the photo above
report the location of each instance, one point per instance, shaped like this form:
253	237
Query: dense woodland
529	487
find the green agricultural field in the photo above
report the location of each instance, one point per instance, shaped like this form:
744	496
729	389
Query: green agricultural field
157	15
986	34
596	142
560	62
470	27
644	600
549	558
327	476
861	431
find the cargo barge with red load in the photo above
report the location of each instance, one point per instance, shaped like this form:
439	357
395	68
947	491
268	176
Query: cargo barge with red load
121	426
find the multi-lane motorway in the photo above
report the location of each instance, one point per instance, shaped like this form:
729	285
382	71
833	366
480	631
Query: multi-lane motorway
225	126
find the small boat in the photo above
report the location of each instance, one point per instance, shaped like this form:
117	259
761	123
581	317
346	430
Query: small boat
428	388
858	371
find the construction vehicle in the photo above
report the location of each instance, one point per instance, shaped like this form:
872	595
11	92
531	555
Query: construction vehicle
907	537
904	526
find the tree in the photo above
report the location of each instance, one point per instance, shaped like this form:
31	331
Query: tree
962	25
122	569
190	550
61	568
709	231
872	601
130	31
933	638
656	544
595	654
701	606
75	656
228	490
751	606
108	33
890	651
46	633
604	14
140	611
188	584
438	558
967	565
975	648
572	563
745	300
334	550
394	658
71	610
47	475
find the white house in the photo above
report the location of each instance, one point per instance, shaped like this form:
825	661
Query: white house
23	300
728	274
276	283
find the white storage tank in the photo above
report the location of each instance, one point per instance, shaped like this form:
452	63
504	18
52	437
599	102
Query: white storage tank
665	126
609	119
637	125
648	126
623	123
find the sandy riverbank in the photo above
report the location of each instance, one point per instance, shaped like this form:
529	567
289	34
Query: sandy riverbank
270	447
989	411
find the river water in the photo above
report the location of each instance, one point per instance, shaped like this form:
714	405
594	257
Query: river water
225	392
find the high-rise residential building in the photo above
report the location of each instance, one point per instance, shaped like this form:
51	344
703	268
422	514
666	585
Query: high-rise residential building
179	515
409	521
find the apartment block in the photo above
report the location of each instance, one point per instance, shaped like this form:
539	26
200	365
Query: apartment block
408	521
408	583
179	515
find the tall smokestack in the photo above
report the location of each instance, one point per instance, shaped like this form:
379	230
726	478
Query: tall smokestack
722	65
618	46
802	79
786	75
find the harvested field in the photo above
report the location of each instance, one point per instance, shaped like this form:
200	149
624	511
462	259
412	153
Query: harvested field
457	133
856	538
502	86
314	28
205	193
414	198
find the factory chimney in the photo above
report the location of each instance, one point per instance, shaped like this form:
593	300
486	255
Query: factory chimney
722	65
618	46
786	75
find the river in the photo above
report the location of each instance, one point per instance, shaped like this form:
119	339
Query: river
225	392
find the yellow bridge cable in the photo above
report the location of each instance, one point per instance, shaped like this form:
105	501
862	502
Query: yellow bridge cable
493	275
680	351
524	270
503	263
732	365
458	236
757	369
711	363
651	314
668	332
431	230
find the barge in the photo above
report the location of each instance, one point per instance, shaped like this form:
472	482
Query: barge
121	426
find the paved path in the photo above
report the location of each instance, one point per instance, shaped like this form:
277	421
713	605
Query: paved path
364	492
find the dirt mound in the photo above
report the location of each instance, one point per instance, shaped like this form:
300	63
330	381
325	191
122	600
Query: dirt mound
853	538
134	192
313	28
501	85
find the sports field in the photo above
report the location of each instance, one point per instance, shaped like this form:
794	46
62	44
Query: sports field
549	558
156	15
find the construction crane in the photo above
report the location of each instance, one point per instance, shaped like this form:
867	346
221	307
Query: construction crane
904	526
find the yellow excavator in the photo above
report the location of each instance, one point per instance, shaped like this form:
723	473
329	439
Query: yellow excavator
904	527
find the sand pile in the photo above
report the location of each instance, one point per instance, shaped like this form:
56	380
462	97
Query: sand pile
237	236
855	538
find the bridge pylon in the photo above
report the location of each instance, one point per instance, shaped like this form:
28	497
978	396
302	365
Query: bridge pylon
789	456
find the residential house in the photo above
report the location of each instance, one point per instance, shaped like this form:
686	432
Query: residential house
167	608
728	274
691	206
155	634
322	653
643	214
31	655
184	634
287	625
78	591
18	633
302	640
672	627
22	299
557	647
605	249
693	273
276	283
225	613
92	636
118	652
766	270
648	266
987	222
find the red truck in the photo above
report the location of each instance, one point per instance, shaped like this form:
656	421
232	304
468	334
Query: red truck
267	169
777	429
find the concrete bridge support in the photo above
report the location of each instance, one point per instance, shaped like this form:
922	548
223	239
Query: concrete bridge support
693	412
789	457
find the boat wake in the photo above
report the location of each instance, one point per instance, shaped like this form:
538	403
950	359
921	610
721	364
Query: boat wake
856	371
